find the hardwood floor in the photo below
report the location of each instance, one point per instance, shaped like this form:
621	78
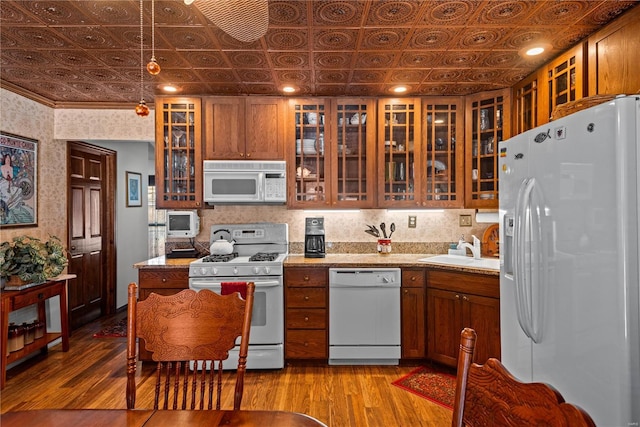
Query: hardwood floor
93	375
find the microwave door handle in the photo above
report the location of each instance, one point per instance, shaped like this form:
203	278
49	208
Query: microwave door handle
261	185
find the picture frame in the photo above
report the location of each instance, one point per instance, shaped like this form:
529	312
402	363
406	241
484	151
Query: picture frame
18	181
134	189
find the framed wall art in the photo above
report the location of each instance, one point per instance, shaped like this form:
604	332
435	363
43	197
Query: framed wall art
18	181
134	189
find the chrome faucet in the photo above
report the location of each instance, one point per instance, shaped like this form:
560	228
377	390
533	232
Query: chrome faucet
475	248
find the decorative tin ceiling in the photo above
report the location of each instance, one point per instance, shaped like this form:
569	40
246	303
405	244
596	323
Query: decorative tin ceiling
83	52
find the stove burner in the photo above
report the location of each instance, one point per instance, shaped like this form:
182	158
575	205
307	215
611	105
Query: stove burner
220	258
264	256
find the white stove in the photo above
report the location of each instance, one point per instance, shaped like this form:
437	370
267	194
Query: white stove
258	255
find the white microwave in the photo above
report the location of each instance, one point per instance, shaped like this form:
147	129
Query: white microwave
245	182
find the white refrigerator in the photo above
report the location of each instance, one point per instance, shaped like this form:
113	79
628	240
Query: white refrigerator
569	260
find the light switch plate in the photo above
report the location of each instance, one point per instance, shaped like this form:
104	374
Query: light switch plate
412	221
465	220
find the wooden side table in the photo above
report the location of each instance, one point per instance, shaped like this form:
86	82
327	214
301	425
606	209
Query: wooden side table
14	300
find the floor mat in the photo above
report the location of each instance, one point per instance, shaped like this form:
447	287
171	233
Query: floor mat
114	331
436	385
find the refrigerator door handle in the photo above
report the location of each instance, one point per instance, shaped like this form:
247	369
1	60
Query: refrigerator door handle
520	256
539	258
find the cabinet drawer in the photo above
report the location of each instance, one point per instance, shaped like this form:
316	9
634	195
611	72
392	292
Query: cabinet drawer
413	277
302	318
34	296
306	276
306	344
306	297
477	284
164	278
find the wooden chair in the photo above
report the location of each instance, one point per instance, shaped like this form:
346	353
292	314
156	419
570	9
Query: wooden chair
488	395
188	326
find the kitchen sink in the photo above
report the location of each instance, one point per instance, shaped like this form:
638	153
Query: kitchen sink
463	261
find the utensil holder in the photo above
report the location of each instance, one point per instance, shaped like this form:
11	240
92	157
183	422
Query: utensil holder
384	246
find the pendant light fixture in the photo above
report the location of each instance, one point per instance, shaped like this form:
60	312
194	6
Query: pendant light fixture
141	109
244	20
152	66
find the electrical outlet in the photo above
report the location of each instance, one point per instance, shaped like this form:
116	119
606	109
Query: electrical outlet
465	220
412	221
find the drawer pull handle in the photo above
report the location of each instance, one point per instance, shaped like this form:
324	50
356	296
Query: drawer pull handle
465	298
40	296
164	279
306	278
306	298
306	319
413	278
457	296
306	344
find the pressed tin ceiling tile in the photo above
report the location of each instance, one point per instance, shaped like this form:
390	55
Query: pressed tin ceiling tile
88	51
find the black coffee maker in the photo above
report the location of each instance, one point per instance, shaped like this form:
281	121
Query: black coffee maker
314	237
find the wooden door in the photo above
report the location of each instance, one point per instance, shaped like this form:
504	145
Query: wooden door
224	137
87	293
265	126
444	323
483	315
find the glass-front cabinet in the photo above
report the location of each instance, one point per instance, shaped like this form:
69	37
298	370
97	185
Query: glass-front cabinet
487	123
332	142
178	153
399	153
564	79
310	170
443	164
353	155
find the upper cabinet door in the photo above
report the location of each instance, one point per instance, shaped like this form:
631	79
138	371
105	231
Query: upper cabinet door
443	149
178	153
224	137
265	128
352	140
487	123
400	179
244	128
308	175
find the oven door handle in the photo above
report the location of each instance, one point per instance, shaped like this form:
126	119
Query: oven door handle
217	285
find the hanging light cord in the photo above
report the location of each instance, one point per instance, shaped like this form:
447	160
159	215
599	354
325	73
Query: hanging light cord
141	53
153	30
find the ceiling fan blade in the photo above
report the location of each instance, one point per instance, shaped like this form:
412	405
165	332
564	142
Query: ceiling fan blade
244	20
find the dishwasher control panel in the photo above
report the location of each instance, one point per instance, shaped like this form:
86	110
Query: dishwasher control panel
364	277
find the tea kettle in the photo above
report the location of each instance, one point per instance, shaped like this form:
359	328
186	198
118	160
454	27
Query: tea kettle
222	246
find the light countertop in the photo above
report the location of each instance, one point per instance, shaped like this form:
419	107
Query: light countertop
335	260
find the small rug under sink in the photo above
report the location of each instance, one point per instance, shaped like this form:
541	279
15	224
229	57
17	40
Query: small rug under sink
432	383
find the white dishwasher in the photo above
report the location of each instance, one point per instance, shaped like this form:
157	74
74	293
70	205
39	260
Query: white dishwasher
364	316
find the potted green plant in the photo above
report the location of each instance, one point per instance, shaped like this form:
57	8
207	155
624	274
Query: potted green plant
31	259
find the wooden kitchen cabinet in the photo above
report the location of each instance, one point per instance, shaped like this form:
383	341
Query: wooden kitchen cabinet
413	309
178	153
352	149
442	165
564	81
488	121
306	313
332	144
457	300
244	128
400	180
308	170
162	281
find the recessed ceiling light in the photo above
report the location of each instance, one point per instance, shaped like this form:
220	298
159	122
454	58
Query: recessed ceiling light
399	89
169	88
535	49
289	89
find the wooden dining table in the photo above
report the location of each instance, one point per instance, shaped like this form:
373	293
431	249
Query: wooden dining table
154	418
